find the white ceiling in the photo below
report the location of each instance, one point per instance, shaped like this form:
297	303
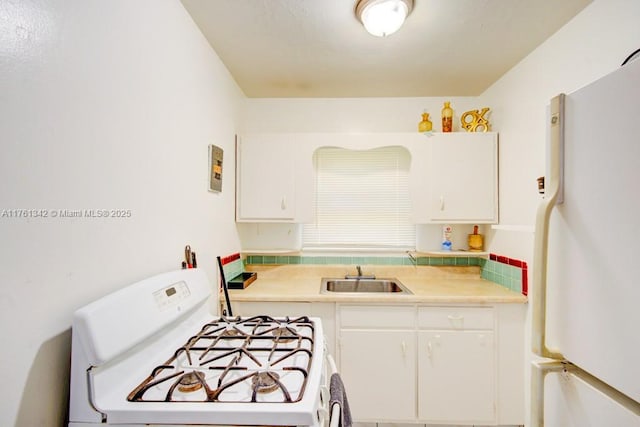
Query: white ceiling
318	48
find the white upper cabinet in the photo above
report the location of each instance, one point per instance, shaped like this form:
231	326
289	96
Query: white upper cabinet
265	178
463	178
453	177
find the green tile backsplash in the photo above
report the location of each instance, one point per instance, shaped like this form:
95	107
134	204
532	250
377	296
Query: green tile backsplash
348	260
503	274
507	272
501	270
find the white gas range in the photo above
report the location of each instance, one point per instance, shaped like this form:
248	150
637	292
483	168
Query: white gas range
152	353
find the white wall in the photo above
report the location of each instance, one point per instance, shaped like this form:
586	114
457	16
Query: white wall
104	105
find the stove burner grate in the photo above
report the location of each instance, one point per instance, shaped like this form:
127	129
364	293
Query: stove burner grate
236	354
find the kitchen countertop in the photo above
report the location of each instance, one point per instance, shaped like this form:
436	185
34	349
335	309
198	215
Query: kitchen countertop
429	284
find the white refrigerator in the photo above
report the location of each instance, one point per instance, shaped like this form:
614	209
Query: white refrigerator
586	277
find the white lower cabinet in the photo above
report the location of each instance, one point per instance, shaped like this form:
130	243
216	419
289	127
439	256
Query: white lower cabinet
422	365
378	369
456	376
456	365
377	361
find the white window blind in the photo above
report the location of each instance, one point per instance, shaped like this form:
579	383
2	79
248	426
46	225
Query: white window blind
362	199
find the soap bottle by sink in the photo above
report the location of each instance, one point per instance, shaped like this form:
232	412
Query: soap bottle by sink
446	238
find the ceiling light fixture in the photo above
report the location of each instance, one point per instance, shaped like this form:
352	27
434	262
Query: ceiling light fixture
383	17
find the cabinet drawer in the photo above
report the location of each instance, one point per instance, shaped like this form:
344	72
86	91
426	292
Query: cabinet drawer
468	318
384	316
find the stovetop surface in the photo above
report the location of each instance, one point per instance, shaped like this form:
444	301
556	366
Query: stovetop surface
259	359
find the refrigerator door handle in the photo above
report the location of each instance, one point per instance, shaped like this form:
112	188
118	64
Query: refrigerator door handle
553	195
539	372
540	369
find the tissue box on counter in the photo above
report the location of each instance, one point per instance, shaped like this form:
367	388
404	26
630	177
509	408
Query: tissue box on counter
242	280
233	268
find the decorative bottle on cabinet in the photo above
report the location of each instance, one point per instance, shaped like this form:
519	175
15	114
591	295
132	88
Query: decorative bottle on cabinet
447	118
425	125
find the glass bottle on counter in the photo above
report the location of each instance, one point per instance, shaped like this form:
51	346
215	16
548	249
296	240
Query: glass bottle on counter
447	117
425	125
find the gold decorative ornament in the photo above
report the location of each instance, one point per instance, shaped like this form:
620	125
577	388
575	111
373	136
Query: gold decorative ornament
474	121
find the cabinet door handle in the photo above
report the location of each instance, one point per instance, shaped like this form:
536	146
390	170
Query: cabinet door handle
404	349
283	203
436	338
456	320
481	340
441	203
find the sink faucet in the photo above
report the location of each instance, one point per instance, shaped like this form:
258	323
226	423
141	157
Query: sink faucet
413	259
360	275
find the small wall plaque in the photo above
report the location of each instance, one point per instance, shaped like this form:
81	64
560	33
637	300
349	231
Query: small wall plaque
215	168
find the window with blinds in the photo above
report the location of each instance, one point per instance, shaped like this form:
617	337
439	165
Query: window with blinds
362	200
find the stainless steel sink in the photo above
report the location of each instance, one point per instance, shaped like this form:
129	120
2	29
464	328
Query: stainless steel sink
356	285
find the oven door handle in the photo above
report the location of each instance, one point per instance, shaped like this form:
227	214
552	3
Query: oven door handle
332	365
91	394
334	419
326	412
323	417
